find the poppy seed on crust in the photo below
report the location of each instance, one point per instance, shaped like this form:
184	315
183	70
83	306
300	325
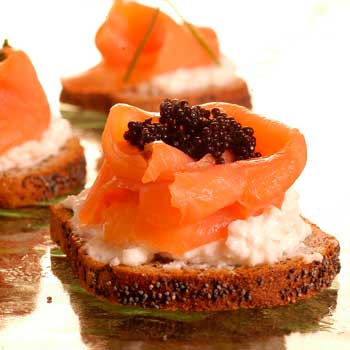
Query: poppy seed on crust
152	286
55	176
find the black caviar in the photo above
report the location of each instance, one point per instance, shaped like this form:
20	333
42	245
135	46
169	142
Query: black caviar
195	131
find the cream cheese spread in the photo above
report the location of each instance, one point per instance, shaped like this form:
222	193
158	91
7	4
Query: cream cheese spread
185	80
275	235
33	152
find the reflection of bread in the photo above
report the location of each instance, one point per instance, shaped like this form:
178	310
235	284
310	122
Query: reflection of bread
56	176
153	286
123	326
237	93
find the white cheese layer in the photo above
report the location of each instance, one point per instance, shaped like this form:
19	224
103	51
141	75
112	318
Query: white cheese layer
33	152
185	80
275	235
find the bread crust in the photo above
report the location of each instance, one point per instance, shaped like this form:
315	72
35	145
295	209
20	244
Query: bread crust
195	289
237	93
55	176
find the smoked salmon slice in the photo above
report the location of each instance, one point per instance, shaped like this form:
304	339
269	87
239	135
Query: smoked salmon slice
24	109
162	198
119	37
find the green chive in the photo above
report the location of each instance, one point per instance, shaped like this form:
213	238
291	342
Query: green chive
2	53
6	43
196	35
50	201
57	252
16	214
141	46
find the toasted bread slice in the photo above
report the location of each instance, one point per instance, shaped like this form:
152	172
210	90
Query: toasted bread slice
56	176
237	93
152	285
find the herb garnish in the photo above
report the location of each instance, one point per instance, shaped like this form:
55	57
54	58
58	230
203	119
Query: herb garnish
151	25
2	53
141	45
6	43
196	35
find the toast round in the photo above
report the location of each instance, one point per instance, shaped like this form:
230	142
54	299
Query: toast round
55	176
151	285
237	93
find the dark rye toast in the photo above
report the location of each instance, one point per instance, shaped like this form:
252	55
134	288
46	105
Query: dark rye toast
237	93
55	176
194	289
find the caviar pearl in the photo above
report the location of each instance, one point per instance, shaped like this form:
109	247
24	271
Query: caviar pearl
195	131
